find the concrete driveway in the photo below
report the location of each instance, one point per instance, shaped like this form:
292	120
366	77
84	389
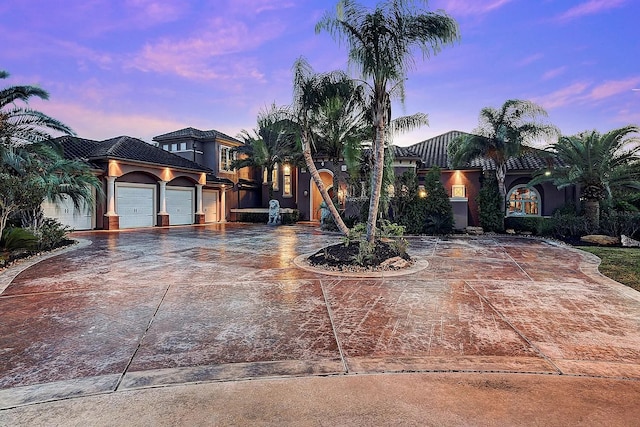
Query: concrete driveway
161	326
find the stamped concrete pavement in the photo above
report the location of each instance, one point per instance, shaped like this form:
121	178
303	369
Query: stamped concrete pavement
144	321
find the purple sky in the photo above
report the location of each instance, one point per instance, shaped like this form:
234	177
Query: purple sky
143	67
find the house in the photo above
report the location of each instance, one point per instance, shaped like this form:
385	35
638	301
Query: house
143	186
215	151
187	179
463	185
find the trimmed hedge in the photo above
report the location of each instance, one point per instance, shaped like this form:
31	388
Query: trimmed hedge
263	217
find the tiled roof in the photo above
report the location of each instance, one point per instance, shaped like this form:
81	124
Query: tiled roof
404	153
212	179
123	148
74	148
128	148
194	134
398	153
433	152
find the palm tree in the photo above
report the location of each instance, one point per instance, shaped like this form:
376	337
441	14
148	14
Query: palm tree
380	45
598	164
311	92
501	135
341	127
31	160
271	143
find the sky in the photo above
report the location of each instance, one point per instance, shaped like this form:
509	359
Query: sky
146	67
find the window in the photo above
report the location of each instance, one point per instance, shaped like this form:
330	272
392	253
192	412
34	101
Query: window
174	147
523	201
226	157
183	146
274	176
286	181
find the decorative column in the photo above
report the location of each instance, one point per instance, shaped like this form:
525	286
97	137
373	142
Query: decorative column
223	205
111	218
199	213
163	215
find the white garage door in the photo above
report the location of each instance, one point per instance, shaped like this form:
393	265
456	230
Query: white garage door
180	205
66	213
135	204
210	205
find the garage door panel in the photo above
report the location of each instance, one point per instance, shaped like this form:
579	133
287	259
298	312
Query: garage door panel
135	206
67	214
180	205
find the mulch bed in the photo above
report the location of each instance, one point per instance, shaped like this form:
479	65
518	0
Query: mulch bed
341	257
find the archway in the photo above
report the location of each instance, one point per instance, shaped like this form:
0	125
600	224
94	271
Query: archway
316	198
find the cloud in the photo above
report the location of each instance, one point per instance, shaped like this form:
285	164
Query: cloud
209	54
612	88
530	59
97	124
591	7
585	92
551	74
259	6
562	97
473	7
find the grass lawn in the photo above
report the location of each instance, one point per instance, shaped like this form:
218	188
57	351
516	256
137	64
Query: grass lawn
620	264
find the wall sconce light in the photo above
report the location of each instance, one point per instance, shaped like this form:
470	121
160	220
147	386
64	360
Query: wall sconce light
306	193
458	191
422	193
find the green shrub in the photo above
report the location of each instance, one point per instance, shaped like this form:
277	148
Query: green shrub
414	216
615	223
439	213
16	238
51	234
540	226
291	218
263	217
567	224
491	214
254	217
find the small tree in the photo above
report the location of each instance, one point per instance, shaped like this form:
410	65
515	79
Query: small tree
489	205
439	219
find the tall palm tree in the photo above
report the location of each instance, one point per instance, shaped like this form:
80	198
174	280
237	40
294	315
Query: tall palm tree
27	155
597	163
502	134
271	143
380	43
311	92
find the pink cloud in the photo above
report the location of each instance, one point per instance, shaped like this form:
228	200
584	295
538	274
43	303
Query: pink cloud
612	88
198	57
562	97
551	74
591	7
472	7
530	59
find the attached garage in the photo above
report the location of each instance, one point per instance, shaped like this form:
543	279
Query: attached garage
135	204
180	205
210	205
66	213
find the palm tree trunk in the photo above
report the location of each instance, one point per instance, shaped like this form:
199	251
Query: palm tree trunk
376	181
306	152
592	214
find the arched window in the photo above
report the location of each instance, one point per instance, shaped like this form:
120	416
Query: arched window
523	201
